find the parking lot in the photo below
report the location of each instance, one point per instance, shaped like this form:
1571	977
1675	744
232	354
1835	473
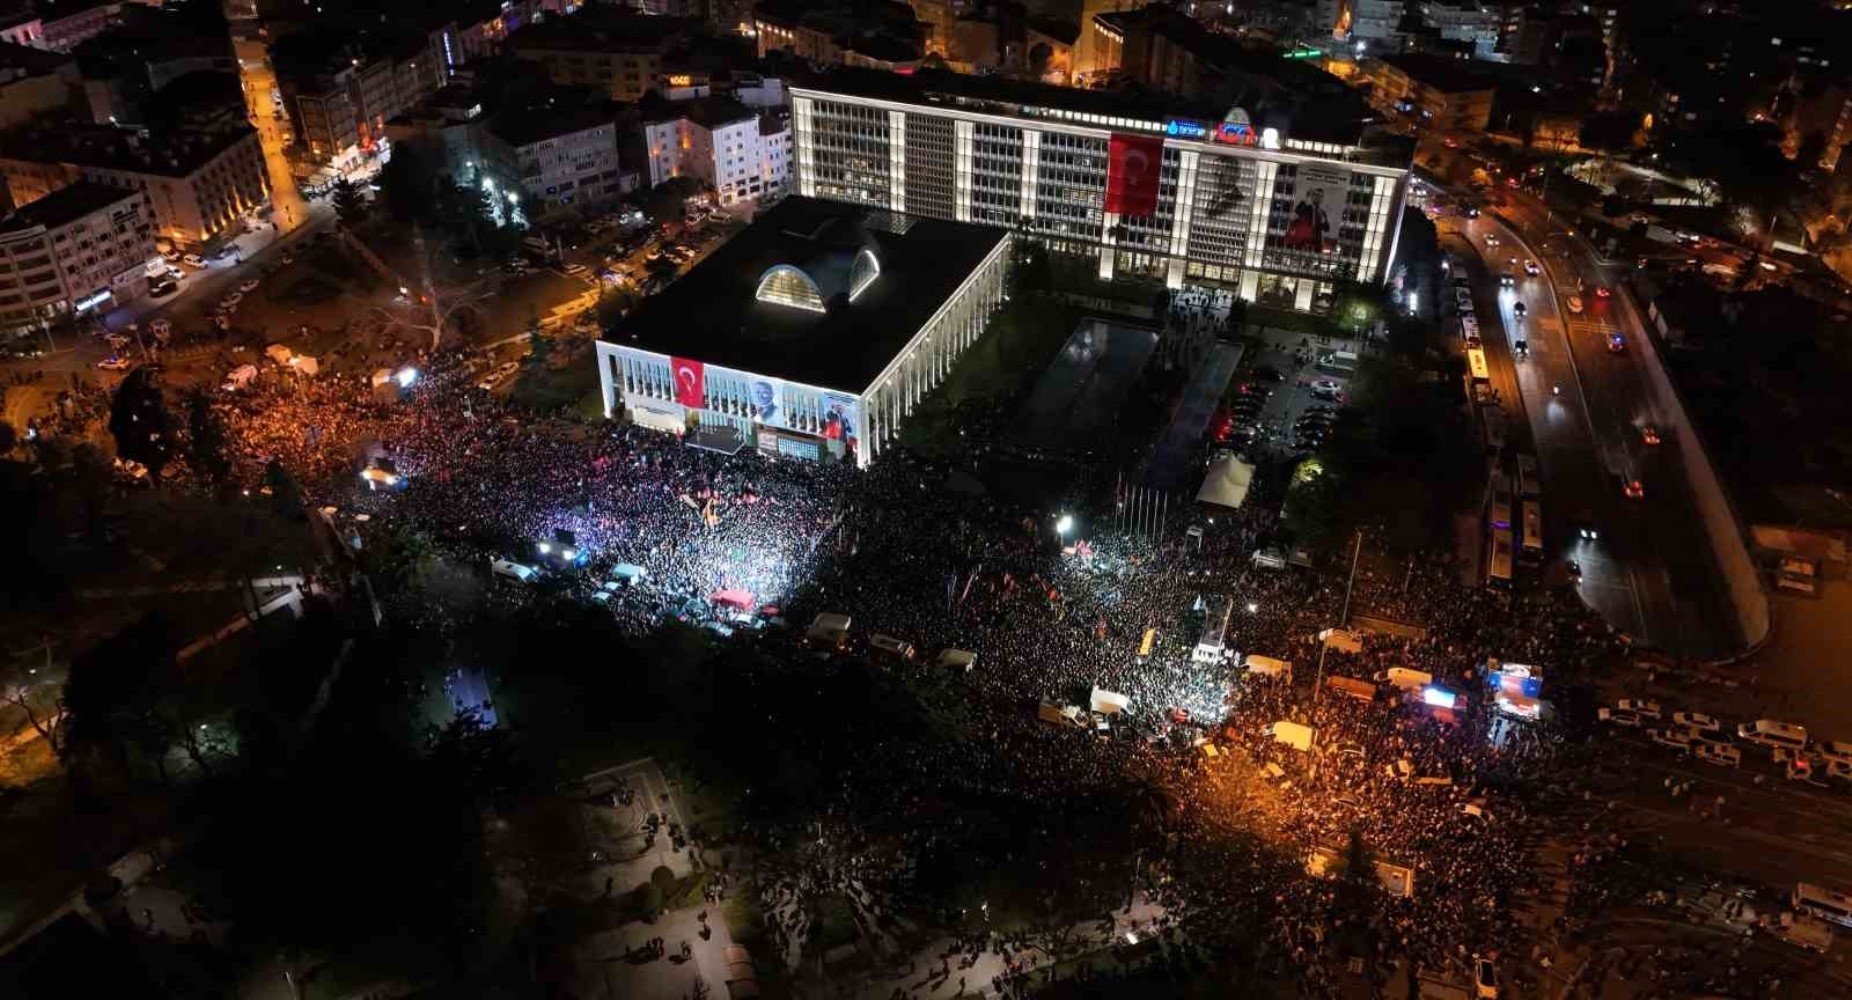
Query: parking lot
1284	403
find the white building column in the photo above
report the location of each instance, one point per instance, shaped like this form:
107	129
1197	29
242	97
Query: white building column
897	161
1031	172
803	145
961	170
1109	252
1181	217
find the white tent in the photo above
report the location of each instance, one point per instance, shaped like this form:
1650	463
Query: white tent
1226	484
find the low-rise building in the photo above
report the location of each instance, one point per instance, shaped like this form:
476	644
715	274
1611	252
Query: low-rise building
82	249
739	152
197	184
341	89
877	36
615	53
1445	92
34	82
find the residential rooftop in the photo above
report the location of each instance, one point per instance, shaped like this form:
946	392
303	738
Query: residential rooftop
711	313
1450	76
602	29
21	61
65	205
171	153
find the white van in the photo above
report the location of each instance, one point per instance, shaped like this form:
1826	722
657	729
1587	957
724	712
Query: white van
513	570
890	646
827	631
958	659
1405	679
1773	733
1268	559
1267	666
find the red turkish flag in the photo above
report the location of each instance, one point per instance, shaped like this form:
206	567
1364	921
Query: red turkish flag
690	380
1134	163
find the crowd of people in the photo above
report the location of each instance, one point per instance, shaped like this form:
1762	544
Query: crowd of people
1051	621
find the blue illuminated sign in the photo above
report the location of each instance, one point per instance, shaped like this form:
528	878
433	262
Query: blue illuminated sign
1185	130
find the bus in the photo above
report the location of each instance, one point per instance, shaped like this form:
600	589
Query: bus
1211	646
1499	509
1498	566
1475	364
1492	421
1530	537
1469	329
1528	486
1823	903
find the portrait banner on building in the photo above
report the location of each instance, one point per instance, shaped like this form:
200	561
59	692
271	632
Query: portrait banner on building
1318	197
690	382
1134	165
766	397
839	422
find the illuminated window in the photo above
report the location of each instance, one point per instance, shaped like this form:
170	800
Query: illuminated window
786	285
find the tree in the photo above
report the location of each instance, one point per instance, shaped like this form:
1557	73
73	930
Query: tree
140	423
539	345
350	206
408	183
206	440
111	695
613	304
668	201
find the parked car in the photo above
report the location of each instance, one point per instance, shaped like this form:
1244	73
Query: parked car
114	364
1719	754
193	260
1696	720
1640	706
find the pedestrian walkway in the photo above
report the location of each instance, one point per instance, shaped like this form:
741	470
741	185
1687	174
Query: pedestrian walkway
1170	460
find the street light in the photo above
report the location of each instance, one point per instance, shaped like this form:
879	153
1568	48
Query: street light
1064	524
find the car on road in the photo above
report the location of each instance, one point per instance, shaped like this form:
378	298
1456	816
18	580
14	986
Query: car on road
1633	490
161	288
1678	738
1575	303
1618	717
1773	733
1532	268
1650	435
1617	343
1574	569
1505	280
574	270
1719	754
1585	526
1639	706
193	260
114	364
247	285
1696	720
1518	309
1491	240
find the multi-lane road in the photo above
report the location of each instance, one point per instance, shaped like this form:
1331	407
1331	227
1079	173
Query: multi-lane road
1650	571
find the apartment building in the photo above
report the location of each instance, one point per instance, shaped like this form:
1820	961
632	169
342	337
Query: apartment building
612	52
739	152
34	82
197	184
83	249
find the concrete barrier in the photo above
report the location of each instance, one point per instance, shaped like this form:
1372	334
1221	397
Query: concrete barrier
1729	540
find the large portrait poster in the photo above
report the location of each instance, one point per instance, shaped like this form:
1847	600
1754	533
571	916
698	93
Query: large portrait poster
1318	196
839	422
766	397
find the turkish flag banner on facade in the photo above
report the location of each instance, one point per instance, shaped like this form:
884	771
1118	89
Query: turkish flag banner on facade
1133	165
690	382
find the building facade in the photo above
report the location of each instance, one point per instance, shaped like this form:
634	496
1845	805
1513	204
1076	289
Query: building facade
1279	220
81	250
197	184
835	344
737	151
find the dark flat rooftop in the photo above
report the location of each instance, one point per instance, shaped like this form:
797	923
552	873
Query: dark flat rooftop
710	314
65	205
